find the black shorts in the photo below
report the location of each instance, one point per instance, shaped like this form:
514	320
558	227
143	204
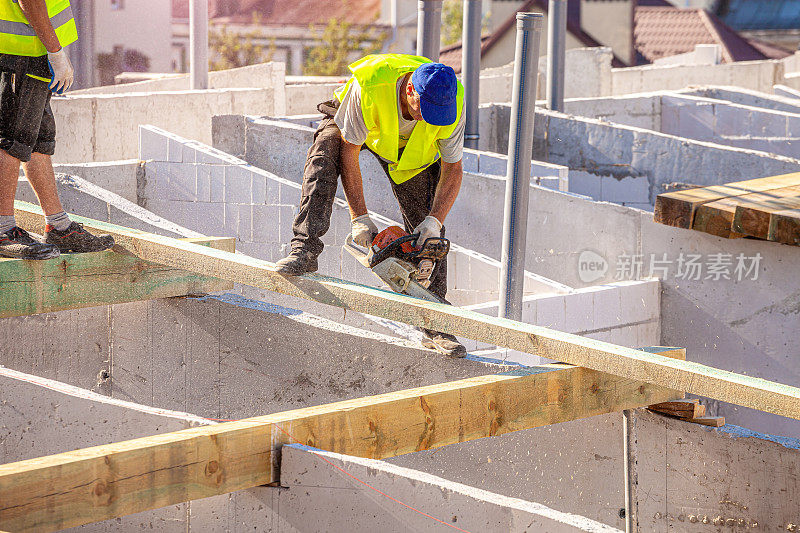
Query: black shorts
27	123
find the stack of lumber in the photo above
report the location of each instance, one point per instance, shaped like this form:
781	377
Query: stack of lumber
765	208
689	410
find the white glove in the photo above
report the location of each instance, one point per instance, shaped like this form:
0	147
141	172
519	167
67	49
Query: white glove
363	230
61	67
430	227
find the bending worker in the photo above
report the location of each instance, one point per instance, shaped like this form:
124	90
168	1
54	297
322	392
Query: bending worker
33	34
407	111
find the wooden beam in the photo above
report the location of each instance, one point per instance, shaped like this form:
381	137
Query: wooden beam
784	227
678	208
81	280
93	484
633	364
752	217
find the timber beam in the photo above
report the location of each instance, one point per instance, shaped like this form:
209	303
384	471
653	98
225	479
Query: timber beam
71	281
602	356
104	482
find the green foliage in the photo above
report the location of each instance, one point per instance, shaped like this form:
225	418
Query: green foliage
452	22
338	42
231	49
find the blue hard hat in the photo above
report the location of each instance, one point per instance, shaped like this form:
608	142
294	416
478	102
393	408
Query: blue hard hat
437	88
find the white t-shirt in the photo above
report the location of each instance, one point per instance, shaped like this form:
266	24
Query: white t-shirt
350	119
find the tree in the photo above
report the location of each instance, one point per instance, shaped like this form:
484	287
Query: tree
453	22
338	41
234	49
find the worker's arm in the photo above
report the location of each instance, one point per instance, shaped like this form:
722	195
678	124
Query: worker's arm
351	179
447	190
36	13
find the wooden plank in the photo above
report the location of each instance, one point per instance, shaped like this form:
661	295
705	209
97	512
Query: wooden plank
752	217
713	421
678	208
633	364
82	280
784	227
680	408
93	484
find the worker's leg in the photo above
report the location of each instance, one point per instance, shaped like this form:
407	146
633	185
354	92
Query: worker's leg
320	180
19	128
415	197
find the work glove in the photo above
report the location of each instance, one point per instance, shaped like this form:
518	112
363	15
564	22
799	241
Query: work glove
61	69
430	227
363	230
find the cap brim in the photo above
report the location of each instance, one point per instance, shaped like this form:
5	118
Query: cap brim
437	115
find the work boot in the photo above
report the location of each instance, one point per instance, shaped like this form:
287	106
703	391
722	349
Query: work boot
76	239
296	263
17	243
443	343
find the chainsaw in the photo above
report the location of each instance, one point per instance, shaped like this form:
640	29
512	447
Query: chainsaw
396	260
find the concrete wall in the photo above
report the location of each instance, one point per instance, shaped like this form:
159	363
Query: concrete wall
784	91
756	75
262	75
104	127
631	165
83	198
738	95
688	475
321	484
119	177
221	356
698	118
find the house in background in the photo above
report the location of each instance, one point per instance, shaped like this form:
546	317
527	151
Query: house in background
638	32
288	28
776	22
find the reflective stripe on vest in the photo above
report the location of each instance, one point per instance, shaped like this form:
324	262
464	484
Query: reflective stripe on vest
17	37
377	76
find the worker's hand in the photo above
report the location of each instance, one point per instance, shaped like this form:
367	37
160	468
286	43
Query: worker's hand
430	227
363	230
61	69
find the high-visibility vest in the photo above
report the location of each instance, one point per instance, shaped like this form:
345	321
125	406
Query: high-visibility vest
17	36
377	76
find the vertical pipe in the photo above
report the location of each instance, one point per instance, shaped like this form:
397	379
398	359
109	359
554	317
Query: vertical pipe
556	39
198	43
629	451
470	69
429	26
518	172
81	52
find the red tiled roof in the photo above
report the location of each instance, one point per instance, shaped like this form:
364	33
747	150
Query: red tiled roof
298	12
667	31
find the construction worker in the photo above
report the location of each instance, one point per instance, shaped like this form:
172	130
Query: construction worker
33	62
408	111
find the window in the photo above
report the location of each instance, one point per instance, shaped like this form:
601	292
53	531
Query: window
116	5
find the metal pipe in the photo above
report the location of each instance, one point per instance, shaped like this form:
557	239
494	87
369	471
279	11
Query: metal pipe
429	27
470	70
198	43
556	39
629	451
81	52
518	172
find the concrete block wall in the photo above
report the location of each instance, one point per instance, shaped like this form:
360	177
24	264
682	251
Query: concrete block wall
738	95
217	194
473	218
619	152
786	92
626	313
105	127
271	74
755	75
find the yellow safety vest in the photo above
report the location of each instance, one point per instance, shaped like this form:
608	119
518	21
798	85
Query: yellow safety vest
17	36
377	76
